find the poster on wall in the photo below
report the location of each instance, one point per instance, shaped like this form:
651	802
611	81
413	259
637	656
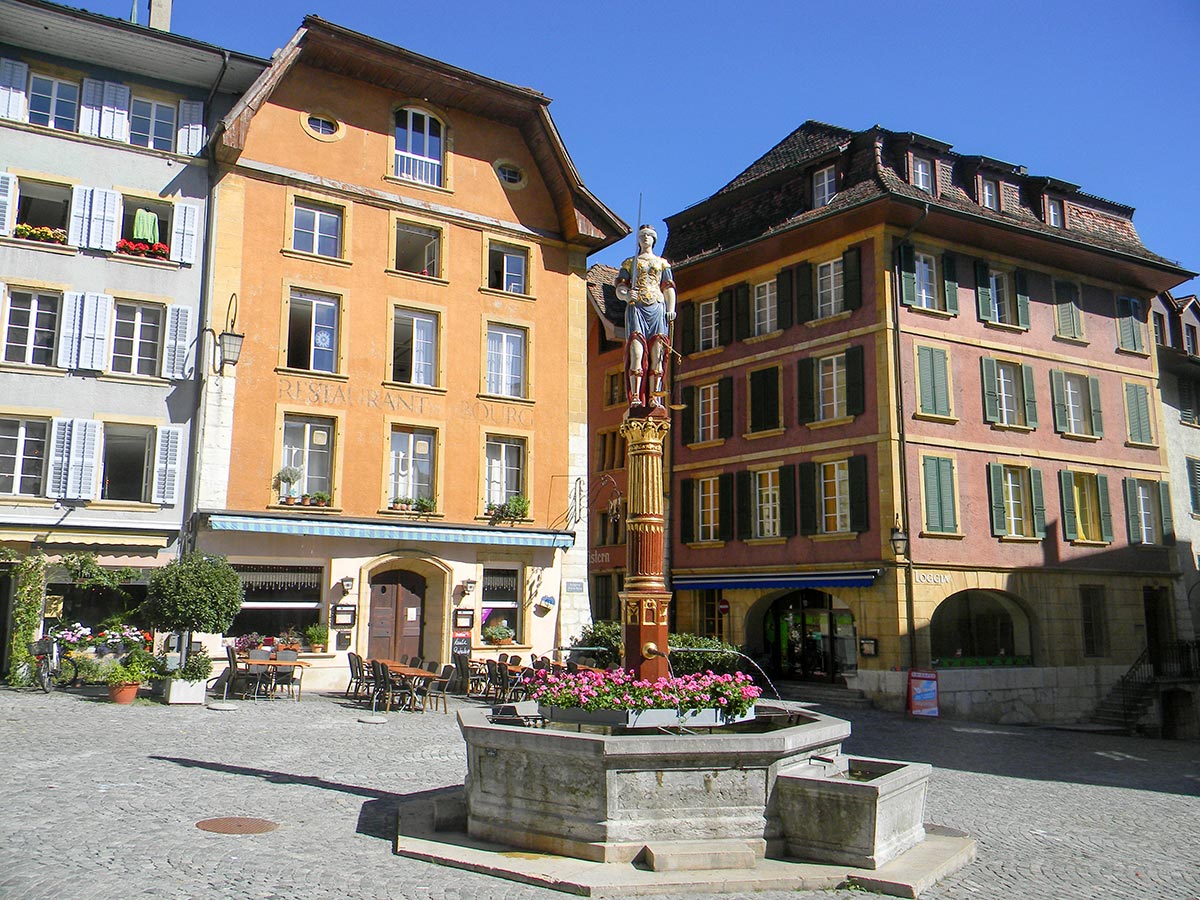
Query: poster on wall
922	692
460	642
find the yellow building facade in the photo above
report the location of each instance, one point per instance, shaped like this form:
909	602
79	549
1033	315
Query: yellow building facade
399	450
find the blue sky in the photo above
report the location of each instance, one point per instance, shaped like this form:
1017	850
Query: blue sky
670	100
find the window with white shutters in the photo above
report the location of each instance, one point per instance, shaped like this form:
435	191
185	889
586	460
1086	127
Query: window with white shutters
167	455
95	218
185	232
177	343
190	136
73	457
31	322
14	102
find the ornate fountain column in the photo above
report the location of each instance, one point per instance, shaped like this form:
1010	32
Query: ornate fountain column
645	602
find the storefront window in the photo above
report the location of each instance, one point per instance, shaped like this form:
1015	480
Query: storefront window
278	597
501	600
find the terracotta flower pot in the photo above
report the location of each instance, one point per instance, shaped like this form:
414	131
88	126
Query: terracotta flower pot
123	693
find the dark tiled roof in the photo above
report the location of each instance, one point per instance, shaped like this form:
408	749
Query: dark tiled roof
773	194
601	285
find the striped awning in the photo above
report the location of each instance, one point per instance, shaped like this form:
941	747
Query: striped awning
378	531
752	580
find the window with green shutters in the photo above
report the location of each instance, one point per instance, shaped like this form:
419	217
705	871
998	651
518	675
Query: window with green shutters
1148	511
1193	472
1189	401
1131	333
933	381
1017	501
1076	404
937	473
1068	322
1009	393
1137	414
1086	513
764	399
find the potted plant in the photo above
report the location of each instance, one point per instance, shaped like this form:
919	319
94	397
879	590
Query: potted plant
424	505
248	642
321	498
306	499
285	478
187	684
289	639
498	634
124	678
194	593
394	503
40	233
512	510
318	637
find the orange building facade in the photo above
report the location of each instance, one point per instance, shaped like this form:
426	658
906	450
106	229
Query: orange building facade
403	245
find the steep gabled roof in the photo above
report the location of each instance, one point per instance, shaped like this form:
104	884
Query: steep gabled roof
602	294
774	194
324	45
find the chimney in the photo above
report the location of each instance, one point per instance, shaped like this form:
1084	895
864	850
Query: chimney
160	14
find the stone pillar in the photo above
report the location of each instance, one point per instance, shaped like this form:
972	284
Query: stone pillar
645	602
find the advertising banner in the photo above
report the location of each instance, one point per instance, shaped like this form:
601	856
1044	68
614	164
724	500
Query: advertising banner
922	692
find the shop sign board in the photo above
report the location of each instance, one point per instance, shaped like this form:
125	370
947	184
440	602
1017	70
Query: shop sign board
922	692
460	642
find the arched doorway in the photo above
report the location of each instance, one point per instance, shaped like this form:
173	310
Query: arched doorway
397	623
810	635
980	628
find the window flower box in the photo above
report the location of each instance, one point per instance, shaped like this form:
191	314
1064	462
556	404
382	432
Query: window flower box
143	248
40	233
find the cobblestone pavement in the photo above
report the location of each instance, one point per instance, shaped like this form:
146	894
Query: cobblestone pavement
100	801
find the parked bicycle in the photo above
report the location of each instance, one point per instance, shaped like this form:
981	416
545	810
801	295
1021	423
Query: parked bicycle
53	666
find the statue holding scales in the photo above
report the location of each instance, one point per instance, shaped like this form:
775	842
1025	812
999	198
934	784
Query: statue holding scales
647	286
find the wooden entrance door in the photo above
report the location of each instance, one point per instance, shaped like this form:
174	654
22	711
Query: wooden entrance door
397	624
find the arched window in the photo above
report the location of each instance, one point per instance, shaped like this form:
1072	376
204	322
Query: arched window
979	628
419	146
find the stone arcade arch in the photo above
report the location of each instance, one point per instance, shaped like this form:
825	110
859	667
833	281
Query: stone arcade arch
806	634
980	627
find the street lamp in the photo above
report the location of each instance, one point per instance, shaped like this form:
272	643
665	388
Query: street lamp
229	342
899	539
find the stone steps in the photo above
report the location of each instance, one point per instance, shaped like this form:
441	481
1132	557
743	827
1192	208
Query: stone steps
824	694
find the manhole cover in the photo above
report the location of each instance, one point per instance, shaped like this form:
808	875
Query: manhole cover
237	825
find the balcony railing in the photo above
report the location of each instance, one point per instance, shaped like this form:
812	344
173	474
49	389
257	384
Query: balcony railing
421	169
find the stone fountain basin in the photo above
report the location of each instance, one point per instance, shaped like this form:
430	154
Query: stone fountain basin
605	797
854	811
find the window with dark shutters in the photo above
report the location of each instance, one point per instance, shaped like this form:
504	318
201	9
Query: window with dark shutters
725	318
725	407
806	478
745	505
859	492
742	313
687	328
856	387
852	278
906	273
725	506
687	511
784	302
803	285
764	399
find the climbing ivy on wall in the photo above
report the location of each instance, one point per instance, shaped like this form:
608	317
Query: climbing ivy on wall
28	602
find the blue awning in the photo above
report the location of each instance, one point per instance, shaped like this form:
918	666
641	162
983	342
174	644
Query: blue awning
855	578
502	537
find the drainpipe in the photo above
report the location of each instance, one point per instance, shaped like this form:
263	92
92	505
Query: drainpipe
909	611
191	505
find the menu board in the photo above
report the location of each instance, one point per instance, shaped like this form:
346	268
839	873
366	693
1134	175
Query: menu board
460	642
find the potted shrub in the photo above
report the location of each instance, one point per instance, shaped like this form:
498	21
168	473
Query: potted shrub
289	639
321	498
394	503
306	499
248	642
424	505
194	593
124	678
284	479
498	634
318	637
187	684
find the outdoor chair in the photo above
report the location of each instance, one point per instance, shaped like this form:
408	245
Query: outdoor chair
502	658
471	680
514	660
572	666
414	662
492	686
235	674
436	691
431	666
403	660
388	687
259	675
518	686
288	678
361	681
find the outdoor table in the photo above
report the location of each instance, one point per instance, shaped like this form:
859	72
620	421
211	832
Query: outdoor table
413	674
275	665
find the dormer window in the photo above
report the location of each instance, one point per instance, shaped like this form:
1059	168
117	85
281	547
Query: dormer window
989	194
922	174
419	147
1054	213
824	186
